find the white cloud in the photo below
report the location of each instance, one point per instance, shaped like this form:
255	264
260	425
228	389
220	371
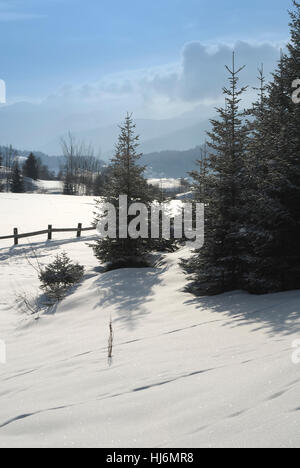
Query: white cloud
202	73
170	90
189	90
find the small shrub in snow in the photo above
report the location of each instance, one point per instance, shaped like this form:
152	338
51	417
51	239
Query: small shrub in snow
60	275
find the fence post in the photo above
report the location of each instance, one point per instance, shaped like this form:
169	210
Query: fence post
16	236
79	230
50	232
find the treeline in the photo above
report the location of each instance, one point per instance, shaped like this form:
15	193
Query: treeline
81	174
13	173
249	181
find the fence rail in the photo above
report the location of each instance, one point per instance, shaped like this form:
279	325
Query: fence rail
16	236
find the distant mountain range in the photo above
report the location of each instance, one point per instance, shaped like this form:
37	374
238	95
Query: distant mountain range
166	144
174	164
40	127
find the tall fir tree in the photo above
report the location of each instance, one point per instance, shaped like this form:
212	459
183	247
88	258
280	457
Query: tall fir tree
258	179
274	241
125	177
216	267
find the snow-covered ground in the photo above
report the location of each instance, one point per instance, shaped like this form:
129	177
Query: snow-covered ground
34	212
166	184
38	186
186	372
50	186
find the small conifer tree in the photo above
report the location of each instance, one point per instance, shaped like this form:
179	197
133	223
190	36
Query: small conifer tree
125	177
16	181
59	276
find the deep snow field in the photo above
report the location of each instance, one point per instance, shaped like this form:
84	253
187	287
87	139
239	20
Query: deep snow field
186	372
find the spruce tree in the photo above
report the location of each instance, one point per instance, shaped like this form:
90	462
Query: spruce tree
274	243
258	178
125	177
16	182
216	267
31	167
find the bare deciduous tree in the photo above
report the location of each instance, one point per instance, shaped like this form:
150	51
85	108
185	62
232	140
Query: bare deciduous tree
81	166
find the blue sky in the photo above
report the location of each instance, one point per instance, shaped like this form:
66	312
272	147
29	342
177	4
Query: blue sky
77	65
50	43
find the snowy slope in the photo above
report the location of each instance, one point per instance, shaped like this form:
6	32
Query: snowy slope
186	372
34	212
50	186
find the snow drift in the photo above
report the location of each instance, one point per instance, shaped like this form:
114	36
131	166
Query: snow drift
186	371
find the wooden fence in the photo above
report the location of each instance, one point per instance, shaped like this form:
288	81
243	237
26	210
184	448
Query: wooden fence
16	236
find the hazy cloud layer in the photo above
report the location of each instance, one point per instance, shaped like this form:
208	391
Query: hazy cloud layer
197	79
188	91
202	73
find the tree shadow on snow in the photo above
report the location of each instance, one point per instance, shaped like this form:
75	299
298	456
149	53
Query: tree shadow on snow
41	249
277	313
128	290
